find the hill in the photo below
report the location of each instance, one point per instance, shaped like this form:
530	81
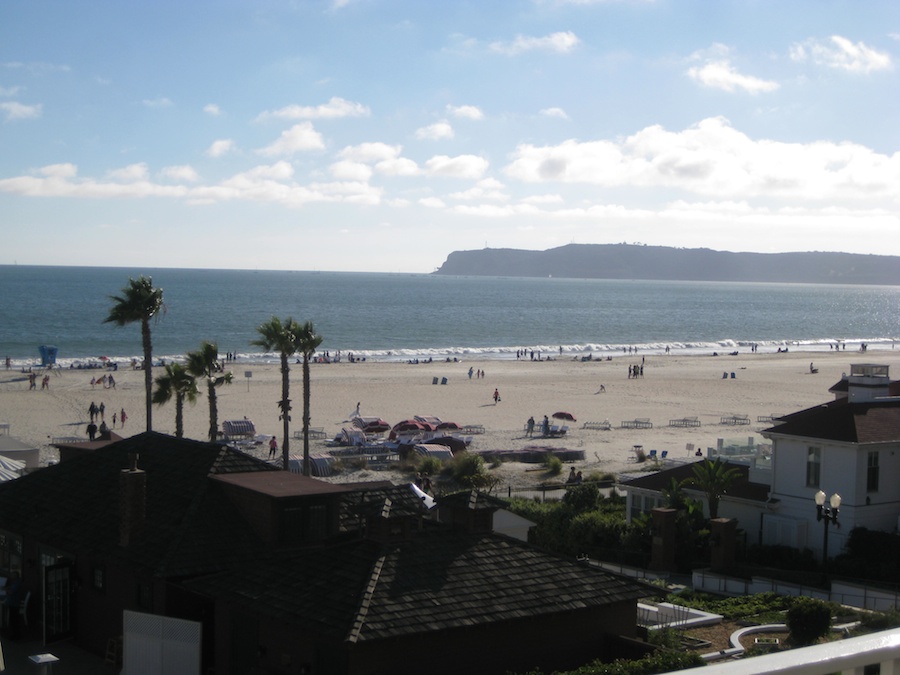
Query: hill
632	261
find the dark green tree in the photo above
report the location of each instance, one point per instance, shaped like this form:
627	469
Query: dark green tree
176	382
205	363
139	302
713	478
284	338
307	344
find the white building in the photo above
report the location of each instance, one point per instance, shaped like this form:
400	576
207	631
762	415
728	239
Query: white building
848	447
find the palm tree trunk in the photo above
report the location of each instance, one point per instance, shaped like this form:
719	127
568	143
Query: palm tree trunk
285	405
148	370
306	471
213	412
179	415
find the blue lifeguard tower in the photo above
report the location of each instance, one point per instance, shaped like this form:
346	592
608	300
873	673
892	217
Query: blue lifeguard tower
48	355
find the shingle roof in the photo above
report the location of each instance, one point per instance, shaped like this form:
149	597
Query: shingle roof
741	487
870	422
190	527
439	579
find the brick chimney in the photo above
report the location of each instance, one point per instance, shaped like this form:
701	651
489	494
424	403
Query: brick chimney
132	502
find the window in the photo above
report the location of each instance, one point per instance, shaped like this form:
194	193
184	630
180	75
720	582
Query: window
813	466
872	472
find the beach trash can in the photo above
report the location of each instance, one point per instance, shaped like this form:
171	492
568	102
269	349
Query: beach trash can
434	381
443	380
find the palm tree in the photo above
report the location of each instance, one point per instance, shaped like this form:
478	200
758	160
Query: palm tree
714	479
307	344
177	382
283	338
139	301
205	363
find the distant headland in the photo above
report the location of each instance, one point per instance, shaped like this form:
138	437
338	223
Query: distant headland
662	263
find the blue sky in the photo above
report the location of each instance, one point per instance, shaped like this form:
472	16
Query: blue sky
380	135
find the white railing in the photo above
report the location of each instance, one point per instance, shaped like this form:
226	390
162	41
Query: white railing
847	657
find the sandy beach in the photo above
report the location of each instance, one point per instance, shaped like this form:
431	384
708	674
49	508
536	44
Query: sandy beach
671	387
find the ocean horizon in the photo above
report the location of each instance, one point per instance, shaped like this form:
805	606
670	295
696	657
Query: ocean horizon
398	317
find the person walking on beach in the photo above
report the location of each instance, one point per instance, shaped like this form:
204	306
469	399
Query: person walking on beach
102	410
545	426
273	448
529	431
496	396
92	430
123	417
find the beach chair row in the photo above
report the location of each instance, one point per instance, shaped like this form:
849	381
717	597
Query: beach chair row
735	420
685	422
597	426
317	433
638	423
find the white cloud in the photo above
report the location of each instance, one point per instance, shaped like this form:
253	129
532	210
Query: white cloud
466	111
130	173
555	112
158	102
461	166
335	108
432	203
182	173
18	111
212	109
298	138
841	54
59	170
722	75
9	91
543	199
435	132
712	158
370	152
349	170
399	166
561	42
220	147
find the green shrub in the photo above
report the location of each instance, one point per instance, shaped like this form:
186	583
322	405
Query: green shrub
553	464
808	620
582	497
880	620
430	466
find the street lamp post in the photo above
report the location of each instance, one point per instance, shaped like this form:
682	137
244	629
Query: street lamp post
829	514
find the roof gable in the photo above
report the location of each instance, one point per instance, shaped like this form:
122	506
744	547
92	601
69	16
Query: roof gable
438	580
875	421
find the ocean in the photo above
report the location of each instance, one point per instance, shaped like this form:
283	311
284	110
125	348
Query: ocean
397	317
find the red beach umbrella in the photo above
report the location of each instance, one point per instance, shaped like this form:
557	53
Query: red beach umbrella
564	416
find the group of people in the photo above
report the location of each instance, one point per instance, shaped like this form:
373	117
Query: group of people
479	374
32	381
574	477
108	381
98	412
545	426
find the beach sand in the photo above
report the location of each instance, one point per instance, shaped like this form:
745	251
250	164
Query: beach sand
672	387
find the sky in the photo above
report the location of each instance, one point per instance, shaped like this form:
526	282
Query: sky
382	135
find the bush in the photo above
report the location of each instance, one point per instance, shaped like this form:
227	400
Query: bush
582	497
808	620
430	466
553	464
